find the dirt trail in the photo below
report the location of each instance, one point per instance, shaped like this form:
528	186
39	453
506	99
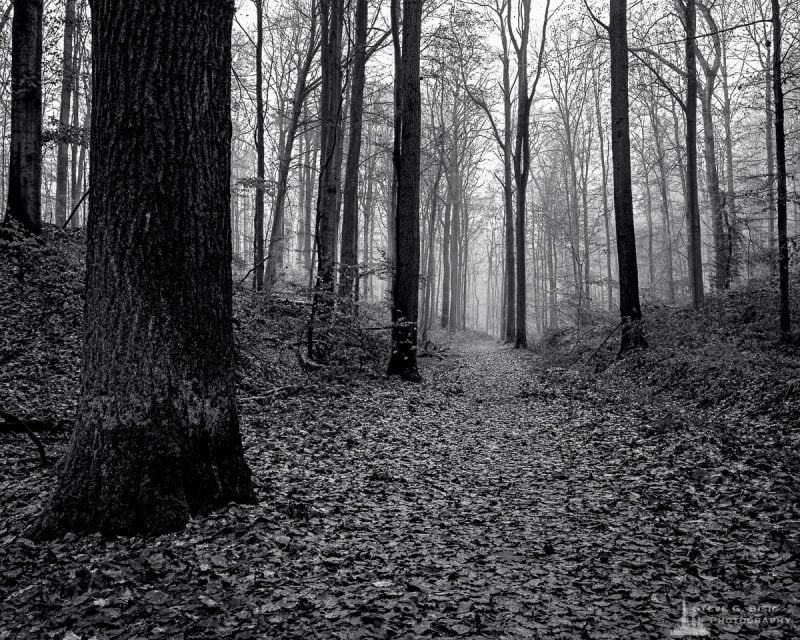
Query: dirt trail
493	500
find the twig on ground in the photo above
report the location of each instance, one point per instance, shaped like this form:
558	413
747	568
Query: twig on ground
14	425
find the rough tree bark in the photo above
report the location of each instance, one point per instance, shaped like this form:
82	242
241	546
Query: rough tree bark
331	15
629	307
67	81
405	292
157	435
25	165
522	151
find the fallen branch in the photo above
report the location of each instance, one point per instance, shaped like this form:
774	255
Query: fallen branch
273	393
75	209
13	424
602	344
251	270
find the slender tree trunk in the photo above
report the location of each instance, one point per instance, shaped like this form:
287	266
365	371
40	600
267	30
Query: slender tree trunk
630	309
521	169
587	291
405	292
770	150
714	196
601	134
258	221
349	257
663	186
446	262
648	196
74	177
430	270
157	434
509	317
780	157
369	223
277	242
732	226
455	252
553	279
331	13
575	225
312	152
67	81
693	205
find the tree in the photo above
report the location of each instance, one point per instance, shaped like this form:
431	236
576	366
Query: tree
301	90
692	203
258	222
405	291
780	158
157	434
67	83
331	18
522	149
629	307
711	68
349	253
499	9
25	165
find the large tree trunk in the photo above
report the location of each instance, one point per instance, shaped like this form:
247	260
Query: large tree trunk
780	157
157	435
67	81
349	252
405	292
629	307
25	165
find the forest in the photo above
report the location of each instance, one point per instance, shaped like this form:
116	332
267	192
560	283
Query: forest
409	319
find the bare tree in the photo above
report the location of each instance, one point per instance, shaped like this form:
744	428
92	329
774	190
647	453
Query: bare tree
405	292
629	306
25	166
780	157
522	148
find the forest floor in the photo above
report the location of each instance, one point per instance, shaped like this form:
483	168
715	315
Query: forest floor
554	493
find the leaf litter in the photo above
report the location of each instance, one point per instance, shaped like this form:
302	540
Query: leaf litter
500	498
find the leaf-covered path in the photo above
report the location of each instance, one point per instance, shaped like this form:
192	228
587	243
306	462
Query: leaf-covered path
494	500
